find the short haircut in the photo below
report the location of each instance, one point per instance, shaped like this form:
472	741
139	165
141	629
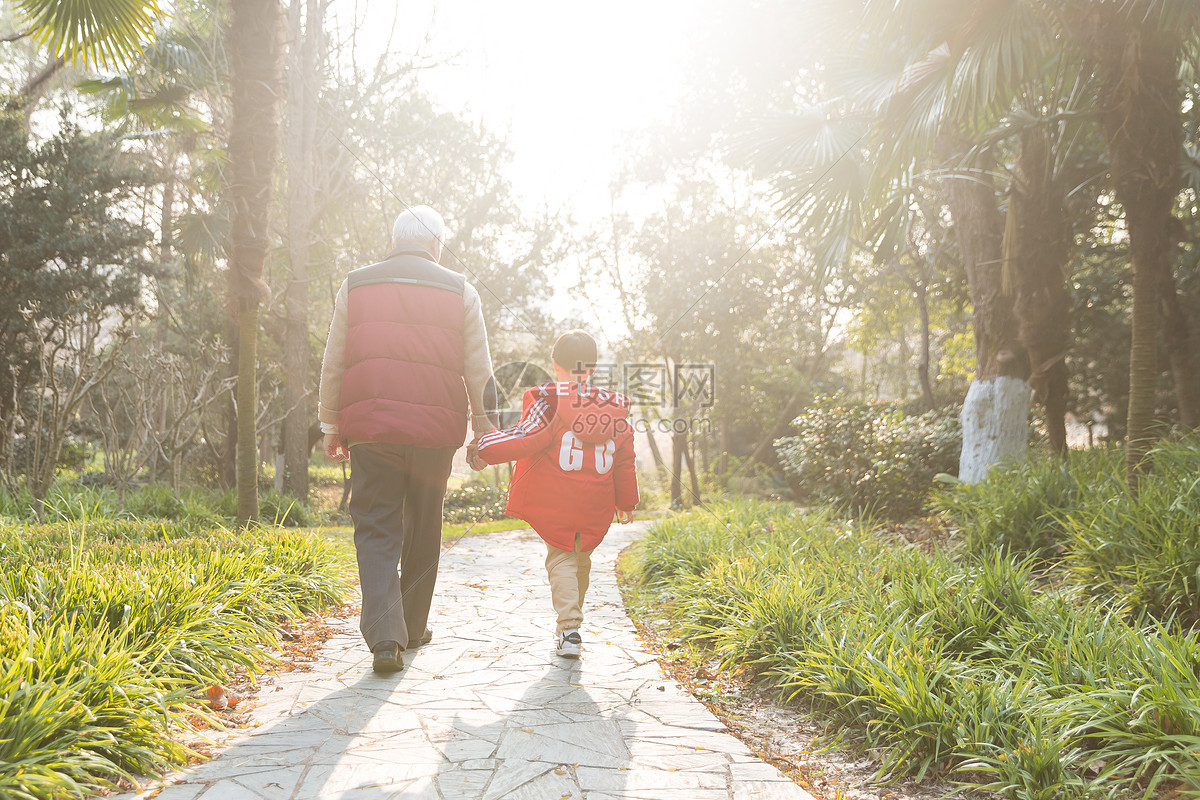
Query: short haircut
575	351
418	225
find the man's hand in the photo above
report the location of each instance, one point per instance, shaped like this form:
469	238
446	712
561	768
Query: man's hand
335	450
473	460
624	517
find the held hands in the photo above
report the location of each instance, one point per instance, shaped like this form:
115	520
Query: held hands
473	460
624	517
335	449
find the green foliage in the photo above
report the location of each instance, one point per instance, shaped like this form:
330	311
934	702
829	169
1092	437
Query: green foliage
282	509
72	266
191	509
964	670
1145	551
474	503
106	628
871	457
106	31
1018	509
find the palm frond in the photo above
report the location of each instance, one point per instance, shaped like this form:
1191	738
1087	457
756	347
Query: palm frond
108	32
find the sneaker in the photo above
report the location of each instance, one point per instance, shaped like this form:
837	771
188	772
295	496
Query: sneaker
424	638
387	658
570	643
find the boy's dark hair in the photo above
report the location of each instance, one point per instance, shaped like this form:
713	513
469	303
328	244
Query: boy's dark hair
575	351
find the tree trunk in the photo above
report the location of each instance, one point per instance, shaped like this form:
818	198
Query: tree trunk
256	49
162	324
723	459
995	398
1177	340
678	445
302	96
922	294
247	402
690	457
1037	248
35	88
1144	128
226	451
655	453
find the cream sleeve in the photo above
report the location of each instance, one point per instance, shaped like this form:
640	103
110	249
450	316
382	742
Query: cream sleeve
333	363
477	365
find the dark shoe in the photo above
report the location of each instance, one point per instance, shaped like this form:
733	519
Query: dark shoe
425	638
387	658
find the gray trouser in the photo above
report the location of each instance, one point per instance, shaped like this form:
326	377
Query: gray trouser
396	496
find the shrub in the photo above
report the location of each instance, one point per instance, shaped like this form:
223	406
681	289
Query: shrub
1144	550
1018	508
474	504
871	457
966	670
156	501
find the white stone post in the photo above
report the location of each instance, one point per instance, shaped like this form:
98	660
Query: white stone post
995	425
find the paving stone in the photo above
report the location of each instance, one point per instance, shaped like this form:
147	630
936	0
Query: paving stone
223	790
510	775
464	784
756	771
276	784
661	794
610	780
486	711
768	790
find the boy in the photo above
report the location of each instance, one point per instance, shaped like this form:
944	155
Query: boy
575	468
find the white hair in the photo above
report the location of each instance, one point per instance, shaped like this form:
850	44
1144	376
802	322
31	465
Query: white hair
418	225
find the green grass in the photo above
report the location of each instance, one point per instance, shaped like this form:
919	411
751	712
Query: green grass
973	671
193	508
451	531
1141	553
1020	507
106	628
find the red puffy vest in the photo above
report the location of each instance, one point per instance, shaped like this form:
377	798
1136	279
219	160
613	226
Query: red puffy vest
403	378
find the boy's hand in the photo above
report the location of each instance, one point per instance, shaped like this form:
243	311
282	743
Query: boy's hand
624	517
473	460
335	450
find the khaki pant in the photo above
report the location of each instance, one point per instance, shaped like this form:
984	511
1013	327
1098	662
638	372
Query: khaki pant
570	574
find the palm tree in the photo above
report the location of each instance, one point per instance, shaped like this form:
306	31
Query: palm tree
1138	46
933	94
256	51
304	79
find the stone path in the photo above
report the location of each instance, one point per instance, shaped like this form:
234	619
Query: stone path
487	711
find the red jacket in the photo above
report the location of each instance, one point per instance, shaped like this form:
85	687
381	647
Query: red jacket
575	468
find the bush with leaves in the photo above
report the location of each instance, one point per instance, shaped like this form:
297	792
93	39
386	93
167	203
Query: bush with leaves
474	504
868	457
1018	508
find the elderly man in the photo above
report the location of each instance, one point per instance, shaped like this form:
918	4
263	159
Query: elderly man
407	353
